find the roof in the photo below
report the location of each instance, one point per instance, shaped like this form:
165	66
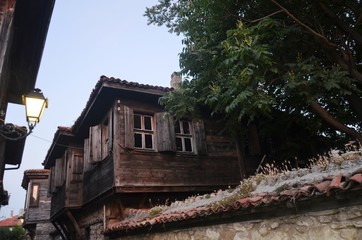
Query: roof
60	142
34	174
10	222
29	31
288	191
109	89
105	92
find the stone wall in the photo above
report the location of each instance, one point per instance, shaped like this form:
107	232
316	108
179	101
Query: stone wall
43	231
341	223
96	232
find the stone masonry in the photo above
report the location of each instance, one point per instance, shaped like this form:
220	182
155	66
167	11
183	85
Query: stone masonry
339	223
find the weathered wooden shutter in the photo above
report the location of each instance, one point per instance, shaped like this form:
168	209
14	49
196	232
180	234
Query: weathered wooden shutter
59	172
200	139
52	188
77	161
128	127
104	140
110	132
95	136
87	155
165	133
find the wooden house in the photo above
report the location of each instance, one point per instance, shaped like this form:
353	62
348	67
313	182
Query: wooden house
124	152
37	204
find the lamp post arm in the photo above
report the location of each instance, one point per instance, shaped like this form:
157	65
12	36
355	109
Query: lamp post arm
9	128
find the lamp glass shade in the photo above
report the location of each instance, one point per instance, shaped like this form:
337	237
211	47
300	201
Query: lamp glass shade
35	103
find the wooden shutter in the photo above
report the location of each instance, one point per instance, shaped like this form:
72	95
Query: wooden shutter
165	133
110	132
77	161
87	155
104	140
52	188
95	136
200	139
59	172
128	127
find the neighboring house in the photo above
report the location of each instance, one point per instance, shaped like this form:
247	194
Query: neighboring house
124	152
23	30
10	228
37	205
11	221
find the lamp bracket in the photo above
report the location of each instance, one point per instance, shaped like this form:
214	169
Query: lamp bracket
8	131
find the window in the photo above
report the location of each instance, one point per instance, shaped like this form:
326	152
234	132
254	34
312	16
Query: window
160	132
183	136
99	142
34	195
143	131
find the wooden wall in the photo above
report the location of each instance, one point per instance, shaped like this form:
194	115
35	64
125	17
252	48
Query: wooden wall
143	169
74	180
139	170
41	212
58	201
98	180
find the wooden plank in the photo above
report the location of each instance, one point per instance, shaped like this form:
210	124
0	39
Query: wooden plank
96	143
165	133
59	172
87	162
128	127
200	139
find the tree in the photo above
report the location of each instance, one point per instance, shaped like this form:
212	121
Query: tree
284	66
12	233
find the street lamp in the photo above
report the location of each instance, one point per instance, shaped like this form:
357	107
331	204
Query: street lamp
35	103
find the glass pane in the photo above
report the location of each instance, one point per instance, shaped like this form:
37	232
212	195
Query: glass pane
34	195
188	147
186	127
138	140
148	140
137	121
178	144
148	123
177	127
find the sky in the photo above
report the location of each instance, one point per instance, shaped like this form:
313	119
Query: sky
87	39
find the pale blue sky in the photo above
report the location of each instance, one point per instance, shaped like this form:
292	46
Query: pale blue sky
87	39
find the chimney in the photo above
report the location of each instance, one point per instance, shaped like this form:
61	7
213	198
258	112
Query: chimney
176	80
11	213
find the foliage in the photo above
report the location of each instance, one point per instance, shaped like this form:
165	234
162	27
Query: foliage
293	68
12	233
155	211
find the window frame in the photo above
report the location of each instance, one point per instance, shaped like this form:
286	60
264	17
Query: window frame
34	200
143	131
183	136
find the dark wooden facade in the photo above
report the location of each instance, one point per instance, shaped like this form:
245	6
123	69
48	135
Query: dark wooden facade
125	152
37	201
23	30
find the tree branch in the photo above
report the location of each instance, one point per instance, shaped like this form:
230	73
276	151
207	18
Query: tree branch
341	25
331	48
344	63
356	103
314	33
318	109
269	15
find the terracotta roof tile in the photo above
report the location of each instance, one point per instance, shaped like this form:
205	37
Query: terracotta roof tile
356	178
37	171
9	222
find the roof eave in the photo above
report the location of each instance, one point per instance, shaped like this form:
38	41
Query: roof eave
31	23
